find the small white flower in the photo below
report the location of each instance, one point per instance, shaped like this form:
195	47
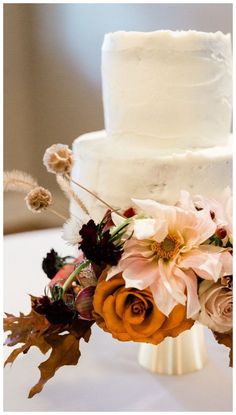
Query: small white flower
71	231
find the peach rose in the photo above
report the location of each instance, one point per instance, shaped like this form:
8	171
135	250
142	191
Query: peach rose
131	314
216	306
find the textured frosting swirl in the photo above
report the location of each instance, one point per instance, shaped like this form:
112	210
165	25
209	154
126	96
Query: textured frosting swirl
174	87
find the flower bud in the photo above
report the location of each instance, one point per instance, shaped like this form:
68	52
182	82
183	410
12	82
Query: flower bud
221	233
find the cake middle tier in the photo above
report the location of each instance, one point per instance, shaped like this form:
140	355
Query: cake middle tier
117	171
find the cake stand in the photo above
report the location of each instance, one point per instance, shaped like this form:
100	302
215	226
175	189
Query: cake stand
176	356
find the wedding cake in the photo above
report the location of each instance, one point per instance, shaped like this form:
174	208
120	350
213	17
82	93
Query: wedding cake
167	106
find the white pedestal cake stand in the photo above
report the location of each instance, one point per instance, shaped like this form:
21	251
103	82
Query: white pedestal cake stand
176	356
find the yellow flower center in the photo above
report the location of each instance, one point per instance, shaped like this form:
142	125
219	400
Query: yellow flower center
166	249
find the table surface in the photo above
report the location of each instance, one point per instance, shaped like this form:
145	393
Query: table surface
108	376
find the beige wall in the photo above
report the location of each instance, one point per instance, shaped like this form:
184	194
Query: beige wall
52	76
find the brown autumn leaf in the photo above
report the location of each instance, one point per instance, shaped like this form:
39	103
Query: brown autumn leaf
27	329
227	340
34	329
65	351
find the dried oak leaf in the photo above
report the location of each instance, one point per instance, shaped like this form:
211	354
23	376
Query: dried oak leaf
65	351
34	329
227	340
27	329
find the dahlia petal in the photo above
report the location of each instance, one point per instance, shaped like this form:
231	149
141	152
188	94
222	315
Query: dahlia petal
139	284
175	289
113	271
146	228
184	220
185	201
190	281
206	265
162	298
141	272
155	209
117	219
206	226
161	231
195	226
133	247
227	261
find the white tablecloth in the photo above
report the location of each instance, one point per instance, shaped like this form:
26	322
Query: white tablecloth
108	376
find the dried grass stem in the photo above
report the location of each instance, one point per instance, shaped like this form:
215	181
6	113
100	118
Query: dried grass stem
89	191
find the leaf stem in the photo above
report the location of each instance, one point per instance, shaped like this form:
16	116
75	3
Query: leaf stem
73	275
121	226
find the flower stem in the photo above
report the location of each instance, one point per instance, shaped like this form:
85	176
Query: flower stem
90	192
73	275
57	214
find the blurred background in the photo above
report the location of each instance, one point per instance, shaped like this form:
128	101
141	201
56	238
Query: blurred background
52	81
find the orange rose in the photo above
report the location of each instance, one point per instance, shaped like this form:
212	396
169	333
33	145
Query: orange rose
131	314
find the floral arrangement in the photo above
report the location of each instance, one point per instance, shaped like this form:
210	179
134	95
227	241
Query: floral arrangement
141	274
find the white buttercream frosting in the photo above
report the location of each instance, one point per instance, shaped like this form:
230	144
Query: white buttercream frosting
174	87
167	102
119	171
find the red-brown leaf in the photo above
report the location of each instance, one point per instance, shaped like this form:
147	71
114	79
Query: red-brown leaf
65	351
34	329
27	329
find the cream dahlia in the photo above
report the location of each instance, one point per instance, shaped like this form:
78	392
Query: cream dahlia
167	253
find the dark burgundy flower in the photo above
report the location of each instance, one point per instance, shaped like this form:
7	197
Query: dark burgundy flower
56	312
98	246
89	231
52	263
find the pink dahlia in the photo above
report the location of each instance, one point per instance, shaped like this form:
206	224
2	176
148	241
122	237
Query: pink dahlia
167	253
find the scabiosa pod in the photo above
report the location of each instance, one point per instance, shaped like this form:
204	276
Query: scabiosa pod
38	199
58	159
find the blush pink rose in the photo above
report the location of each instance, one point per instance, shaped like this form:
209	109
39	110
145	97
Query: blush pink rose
216	302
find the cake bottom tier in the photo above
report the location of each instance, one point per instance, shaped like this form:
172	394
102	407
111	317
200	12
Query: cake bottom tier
118	171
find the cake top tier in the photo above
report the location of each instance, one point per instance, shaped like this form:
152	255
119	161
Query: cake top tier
170	87
166	39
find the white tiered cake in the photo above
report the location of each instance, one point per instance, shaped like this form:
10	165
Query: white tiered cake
167	104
